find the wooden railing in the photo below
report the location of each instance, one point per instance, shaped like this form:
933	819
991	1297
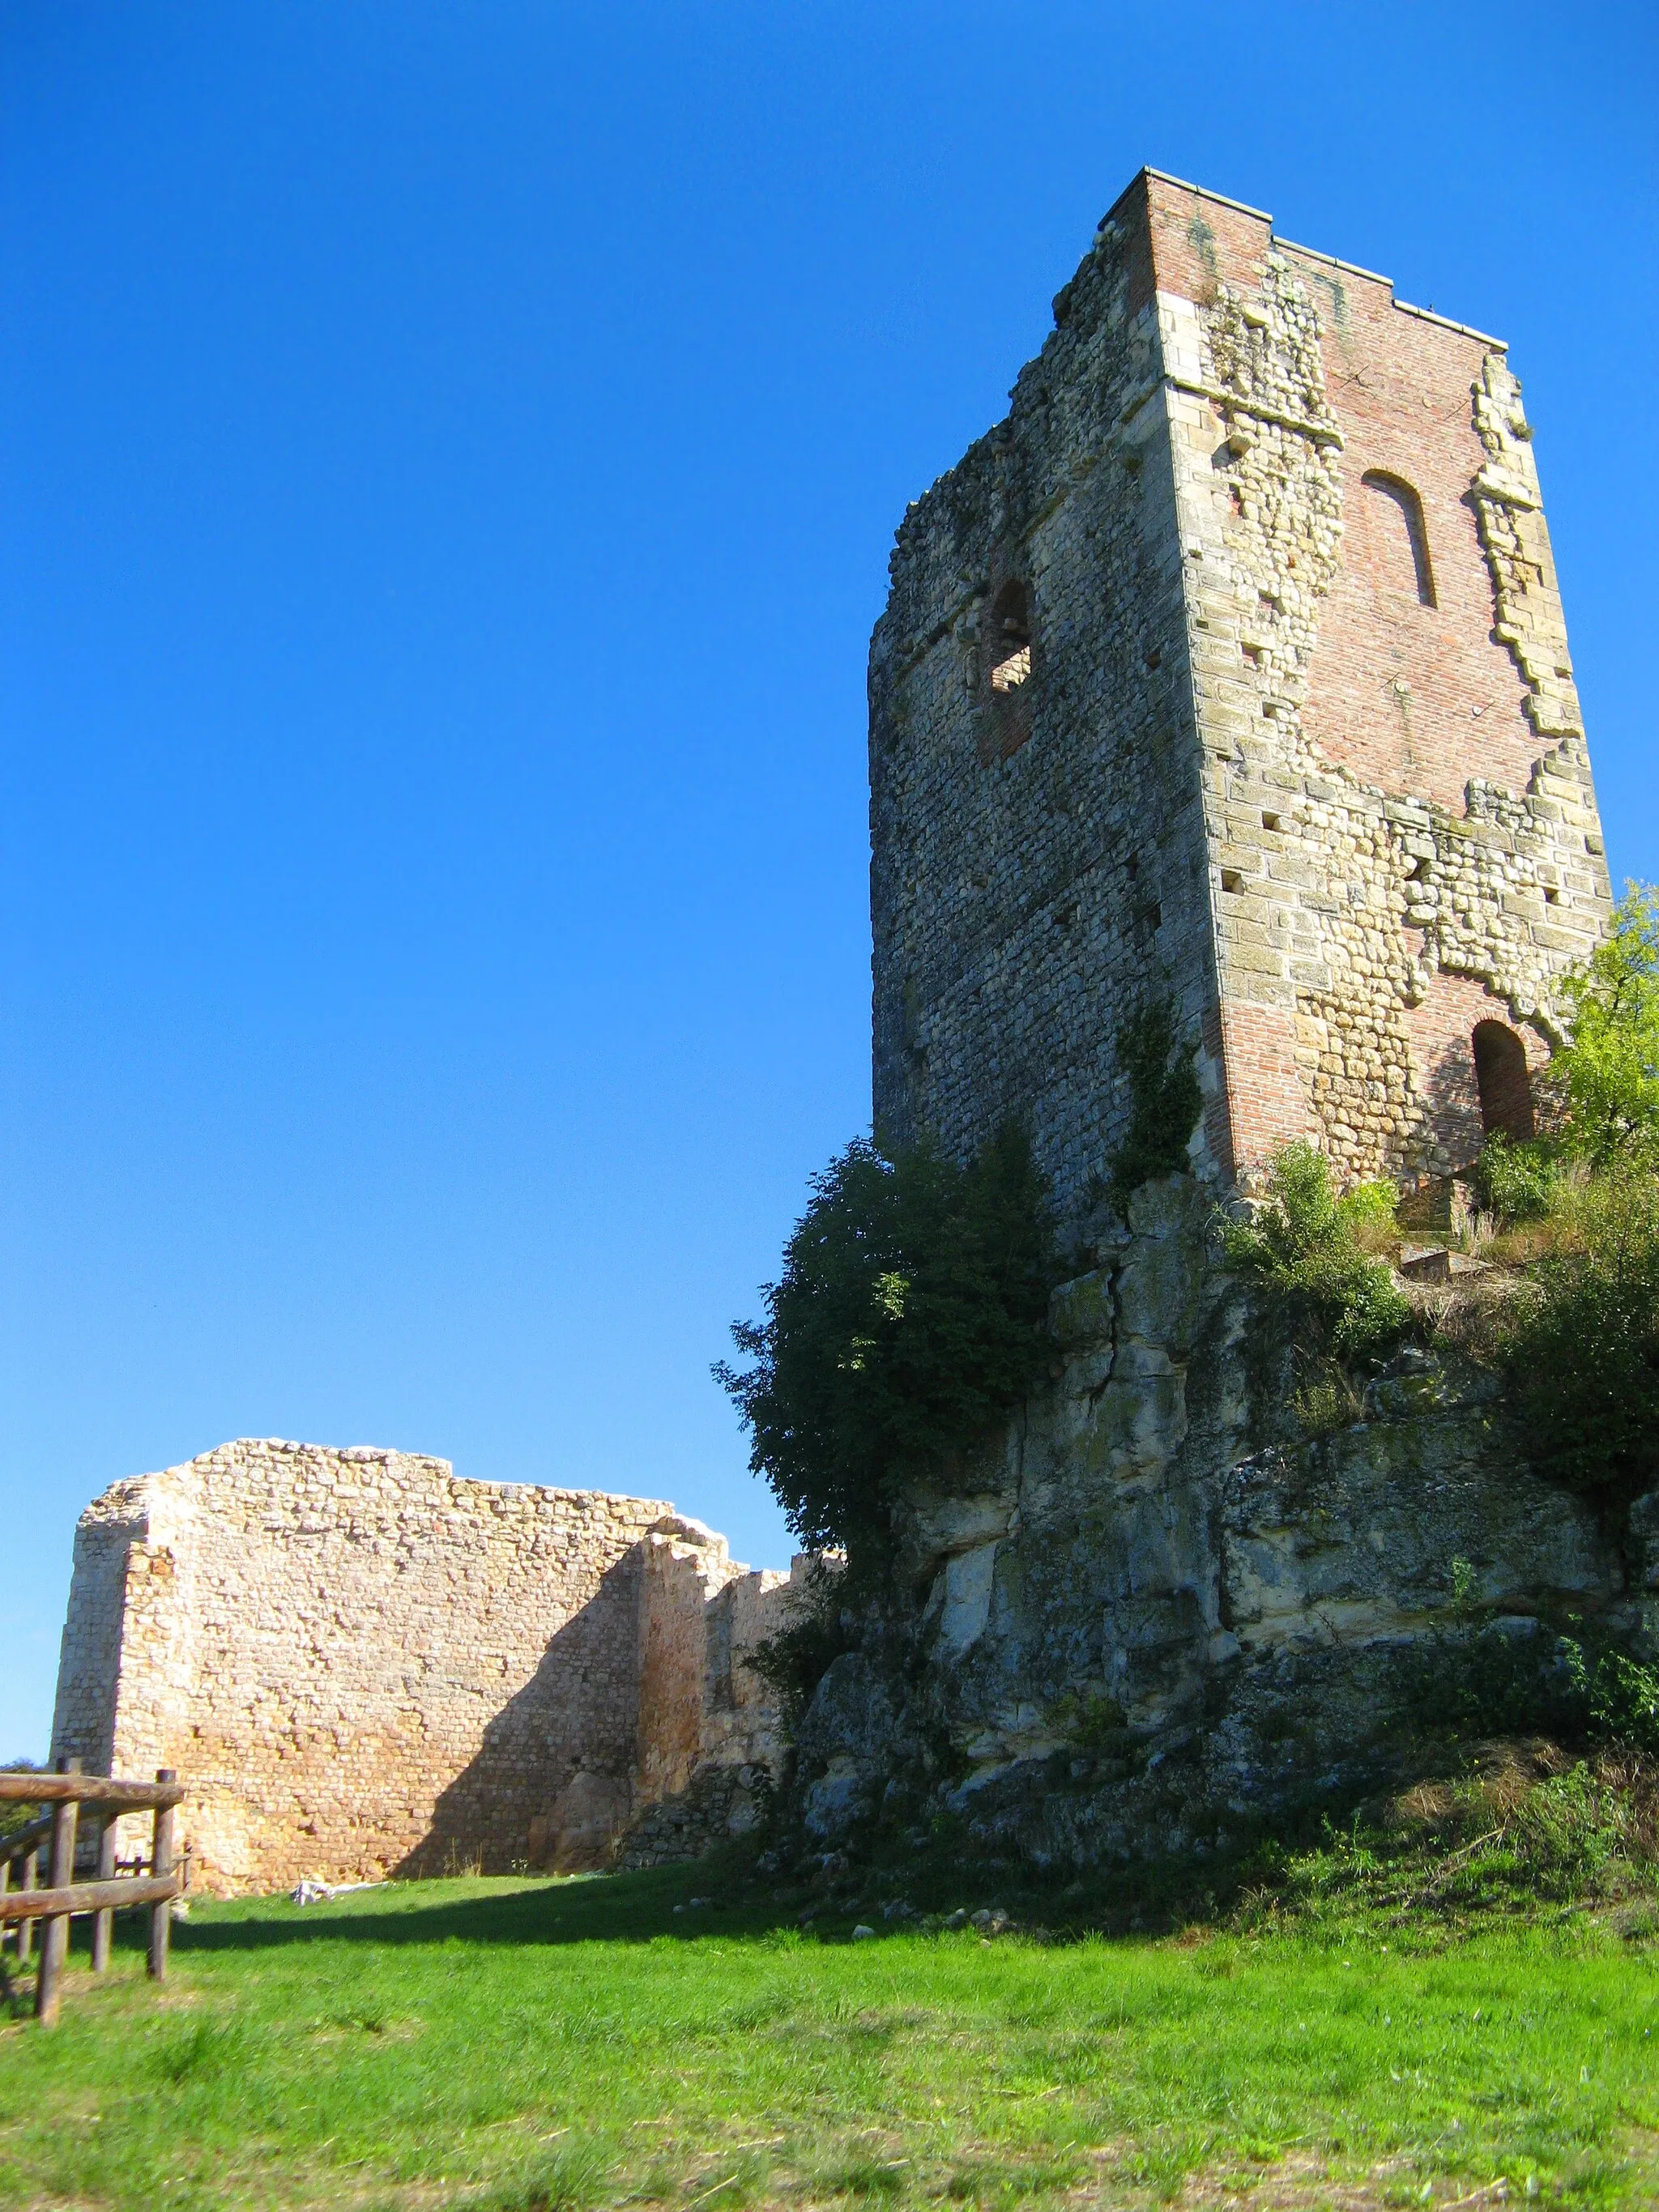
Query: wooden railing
64	1793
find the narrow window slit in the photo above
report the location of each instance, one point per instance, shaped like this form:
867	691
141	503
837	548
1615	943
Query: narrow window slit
1399	509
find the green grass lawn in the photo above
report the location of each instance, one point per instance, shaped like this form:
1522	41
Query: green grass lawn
538	2044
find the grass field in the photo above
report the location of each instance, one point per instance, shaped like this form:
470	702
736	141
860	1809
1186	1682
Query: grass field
534	2045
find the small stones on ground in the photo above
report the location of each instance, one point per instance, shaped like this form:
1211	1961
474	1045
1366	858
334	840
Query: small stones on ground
990	1920
863	1933
958	1918
693	1905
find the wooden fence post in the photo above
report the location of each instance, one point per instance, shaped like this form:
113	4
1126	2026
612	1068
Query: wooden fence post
25	1927
160	1916
103	1923
54	1944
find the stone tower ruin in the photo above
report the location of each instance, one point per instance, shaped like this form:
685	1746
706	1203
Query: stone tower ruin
1230	668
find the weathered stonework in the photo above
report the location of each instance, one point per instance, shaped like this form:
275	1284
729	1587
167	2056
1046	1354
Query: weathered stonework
360	1664
1292	735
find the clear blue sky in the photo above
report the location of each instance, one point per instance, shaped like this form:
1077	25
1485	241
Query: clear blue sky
450	455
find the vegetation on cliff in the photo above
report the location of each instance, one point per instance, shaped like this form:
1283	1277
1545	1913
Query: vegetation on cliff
1315	1251
1608	1071
1569	1220
910	1318
1599	1098
1579	1345
1575	1211
1164	1099
1482	1672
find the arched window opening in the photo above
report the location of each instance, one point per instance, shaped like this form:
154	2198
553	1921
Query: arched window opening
1400	510
1010	643
1504	1081
1008	665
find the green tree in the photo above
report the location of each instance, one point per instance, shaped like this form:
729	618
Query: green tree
1609	1072
1582	1349
15	1816
910	1318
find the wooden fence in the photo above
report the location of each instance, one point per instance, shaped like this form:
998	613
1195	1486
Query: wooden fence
62	1795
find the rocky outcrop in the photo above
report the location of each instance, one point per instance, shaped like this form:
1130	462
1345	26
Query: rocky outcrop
1164	1610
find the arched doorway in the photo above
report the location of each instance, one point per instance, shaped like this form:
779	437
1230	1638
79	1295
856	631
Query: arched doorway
1503	1082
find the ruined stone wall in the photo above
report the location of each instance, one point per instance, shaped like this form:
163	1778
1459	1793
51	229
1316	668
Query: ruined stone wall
360	1664
356	1660
711	1743
1292	736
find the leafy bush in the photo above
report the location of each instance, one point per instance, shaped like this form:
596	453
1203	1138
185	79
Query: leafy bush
1599	1096
1164	1099
1495	1839
1482	1678
1622	1695
1516	1181
911	1317
1308	1246
1581	1350
1490	1678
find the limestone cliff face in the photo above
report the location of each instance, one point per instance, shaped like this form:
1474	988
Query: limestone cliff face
1150	1622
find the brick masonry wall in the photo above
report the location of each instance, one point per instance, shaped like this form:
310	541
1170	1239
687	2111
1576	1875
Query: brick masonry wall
1299	745
1402	829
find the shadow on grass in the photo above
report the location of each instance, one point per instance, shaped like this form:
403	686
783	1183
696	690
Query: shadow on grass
898	1886
637	1908
726	1896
